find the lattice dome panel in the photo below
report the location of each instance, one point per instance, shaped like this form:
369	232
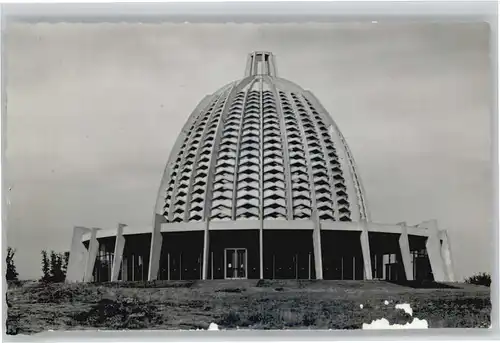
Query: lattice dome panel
261	148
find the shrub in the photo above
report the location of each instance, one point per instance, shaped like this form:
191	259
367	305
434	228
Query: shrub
482	279
123	314
11	274
230	290
231	319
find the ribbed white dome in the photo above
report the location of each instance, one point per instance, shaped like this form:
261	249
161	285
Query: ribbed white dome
261	148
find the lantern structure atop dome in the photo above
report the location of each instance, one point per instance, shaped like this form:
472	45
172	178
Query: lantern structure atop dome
260	63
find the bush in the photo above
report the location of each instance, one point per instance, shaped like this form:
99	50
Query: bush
230	319
120	314
482	279
11	274
230	290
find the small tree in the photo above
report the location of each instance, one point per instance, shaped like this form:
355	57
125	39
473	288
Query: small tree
53	264
11	274
65	262
58	274
45	266
54	267
483	279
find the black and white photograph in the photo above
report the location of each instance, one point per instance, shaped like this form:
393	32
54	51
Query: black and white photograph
247	176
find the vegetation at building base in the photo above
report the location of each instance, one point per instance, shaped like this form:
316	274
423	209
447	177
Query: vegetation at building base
286	304
482	279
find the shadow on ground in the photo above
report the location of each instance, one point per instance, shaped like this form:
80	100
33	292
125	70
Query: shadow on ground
422	284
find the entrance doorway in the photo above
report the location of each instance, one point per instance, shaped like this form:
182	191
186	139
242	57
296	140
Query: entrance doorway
235	262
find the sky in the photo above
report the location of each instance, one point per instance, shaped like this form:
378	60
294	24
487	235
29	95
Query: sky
94	109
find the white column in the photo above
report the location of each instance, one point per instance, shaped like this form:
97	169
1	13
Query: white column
433	246
318	258
404	246
206	251
446	256
156	243
93	250
117	260
261	253
78	256
365	249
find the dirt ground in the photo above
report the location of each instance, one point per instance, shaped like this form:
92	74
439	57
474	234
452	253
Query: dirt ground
254	304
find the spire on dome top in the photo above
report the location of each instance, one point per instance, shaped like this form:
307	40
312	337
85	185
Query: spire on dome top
260	63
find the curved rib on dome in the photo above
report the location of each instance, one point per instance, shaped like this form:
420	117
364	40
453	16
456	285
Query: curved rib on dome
261	148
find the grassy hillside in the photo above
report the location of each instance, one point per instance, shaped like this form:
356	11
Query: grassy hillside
254	304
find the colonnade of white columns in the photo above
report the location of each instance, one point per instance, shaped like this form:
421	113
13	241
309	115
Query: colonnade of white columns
82	260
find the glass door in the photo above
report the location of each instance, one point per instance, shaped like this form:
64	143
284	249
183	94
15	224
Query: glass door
235	261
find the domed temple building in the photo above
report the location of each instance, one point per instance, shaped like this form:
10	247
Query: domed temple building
261	184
